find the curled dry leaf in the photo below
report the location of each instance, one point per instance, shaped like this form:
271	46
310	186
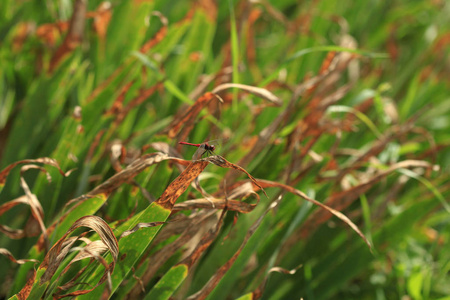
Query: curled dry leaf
37	213
257	91
59	251
257	294
10	232
43	160
284	271
93	252
8	254
90	250
203	192
36	209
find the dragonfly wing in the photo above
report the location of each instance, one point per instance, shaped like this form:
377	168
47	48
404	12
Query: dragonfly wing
199	153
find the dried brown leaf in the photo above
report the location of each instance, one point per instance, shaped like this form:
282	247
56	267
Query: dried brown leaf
36	209
188	118
214	203
257	91
259	291
74	35
92	249
43	160
215	279
86	252
204	243
161	256
102	16
58	252
61	248
37	214
8	254
9	232
222	162
159	36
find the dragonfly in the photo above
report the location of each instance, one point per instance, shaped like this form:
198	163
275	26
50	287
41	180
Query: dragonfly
203	148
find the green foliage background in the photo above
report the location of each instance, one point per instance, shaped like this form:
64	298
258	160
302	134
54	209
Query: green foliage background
398	75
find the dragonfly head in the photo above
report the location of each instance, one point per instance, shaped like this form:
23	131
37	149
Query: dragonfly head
212	147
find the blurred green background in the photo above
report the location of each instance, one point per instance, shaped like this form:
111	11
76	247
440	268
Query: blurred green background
376	100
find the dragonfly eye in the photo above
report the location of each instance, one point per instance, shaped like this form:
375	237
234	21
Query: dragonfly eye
213	147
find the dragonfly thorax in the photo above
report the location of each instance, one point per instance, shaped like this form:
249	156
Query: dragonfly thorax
210	147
